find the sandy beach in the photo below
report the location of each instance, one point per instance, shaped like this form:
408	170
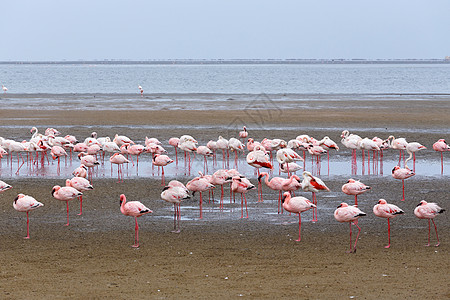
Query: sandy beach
223	256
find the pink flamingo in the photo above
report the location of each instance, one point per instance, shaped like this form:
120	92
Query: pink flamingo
429	211
402	173
4	89
412	148
57	152
251	144
119	160
26	204
351	141
441	146
204	151
174	143
353	187
276	184
259	159
398	144
135	150
134	209
388	211
65	193
220	177
81	171
199	184
4	186
243	134
367	144
296	205
122	139
291	167
235	146
89	161
161	160
174	195
350	214
313	184
242	185
80	184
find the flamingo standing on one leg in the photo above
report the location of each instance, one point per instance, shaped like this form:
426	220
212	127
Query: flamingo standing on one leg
429	211
346	213
4	89
388	211
243	134
199	184
56	153
402	173
65	193
174	195
353	187
161	160
441	146
296	205
313	184
80	184
134	209
276	184
412	148
26	204
174	143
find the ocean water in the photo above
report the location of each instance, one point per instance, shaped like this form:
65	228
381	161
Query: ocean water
228	79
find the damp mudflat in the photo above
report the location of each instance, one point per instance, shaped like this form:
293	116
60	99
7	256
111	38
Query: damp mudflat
222	255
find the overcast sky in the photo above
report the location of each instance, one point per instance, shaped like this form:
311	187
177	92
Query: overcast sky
164	29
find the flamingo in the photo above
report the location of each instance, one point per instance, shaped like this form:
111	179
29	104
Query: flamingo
199	184
276	184
135	150
313	184
141	90
174	195
65	193
350	141
259	159
242	185
412	148
24	203
441	146
4	88
174	143
296	205
89	161
80	184
222	144
243	134
402	173
161	160
290	167
119	160
4	186
134	209
425	210
251	144
122	139
350	214
236	146
285	156
56	153
367	144
353	187
388	211
398	144
205	151
81	171
220	177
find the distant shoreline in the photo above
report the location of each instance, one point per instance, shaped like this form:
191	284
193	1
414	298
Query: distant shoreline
229	61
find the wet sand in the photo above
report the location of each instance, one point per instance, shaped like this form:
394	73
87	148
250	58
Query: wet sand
223	256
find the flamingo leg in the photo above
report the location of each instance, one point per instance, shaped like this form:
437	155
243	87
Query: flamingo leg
136	234
299	227
81	205
357	237
246	210
28	228
201	206
221	197
429	232
67	202
351	248
437	237
242	205
162	177
403	189
389	235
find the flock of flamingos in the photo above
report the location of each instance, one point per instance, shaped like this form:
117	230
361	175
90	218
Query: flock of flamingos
260	155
